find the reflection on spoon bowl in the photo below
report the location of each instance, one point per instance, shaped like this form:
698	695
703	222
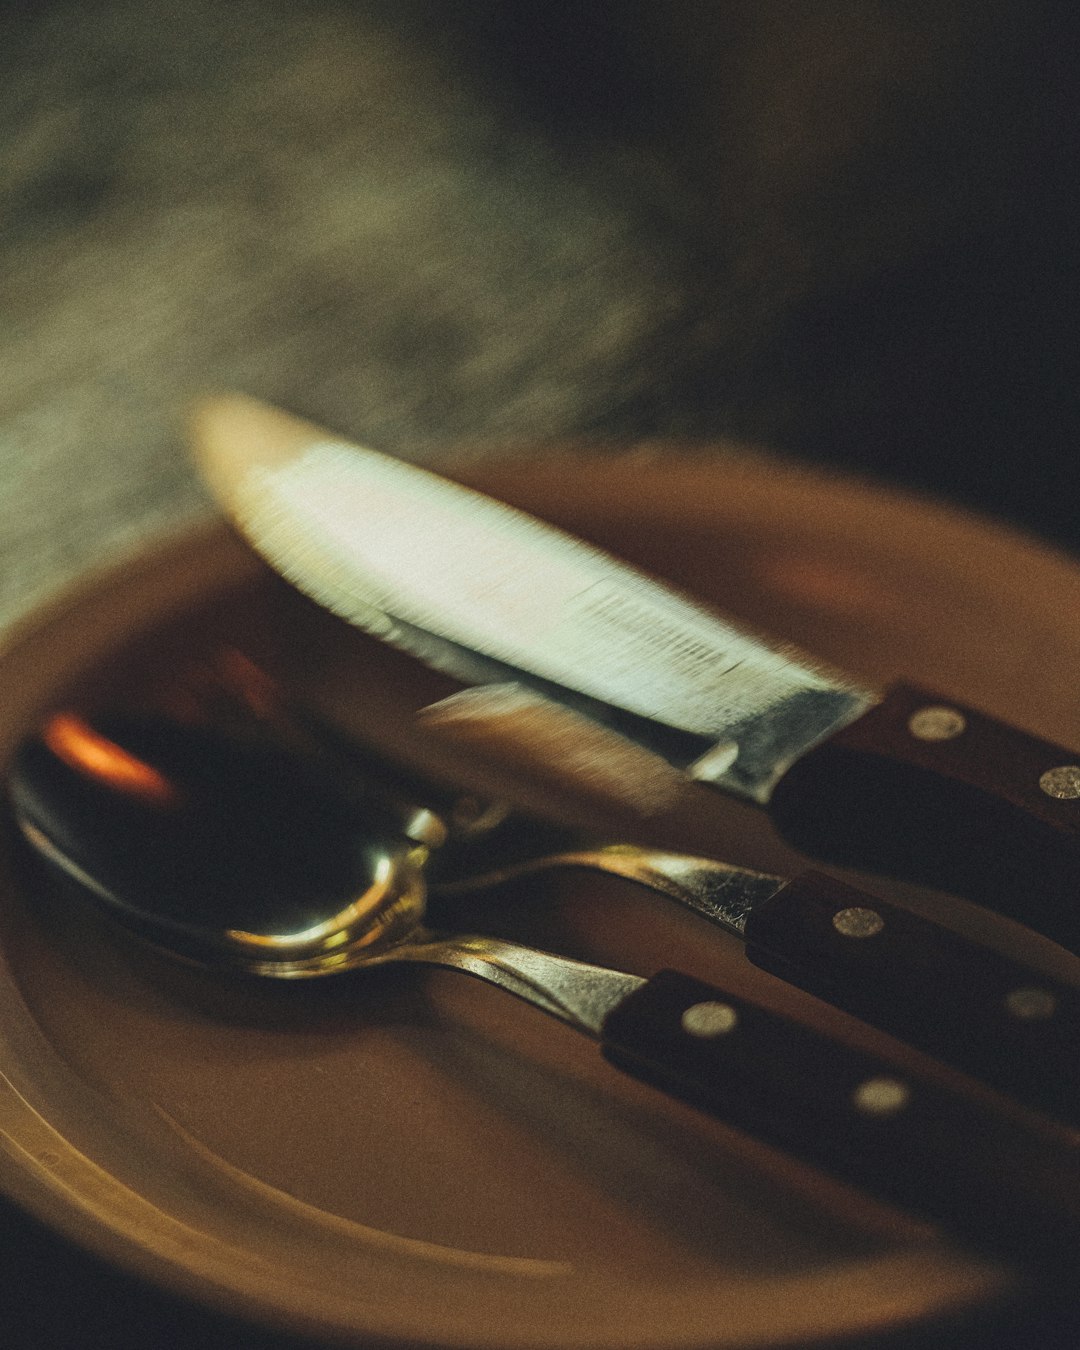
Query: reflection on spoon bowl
220	851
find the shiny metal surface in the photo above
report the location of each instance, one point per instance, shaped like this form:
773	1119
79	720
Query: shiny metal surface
576	992
479	843
489	593
858	922
381	927
1062	782
727	895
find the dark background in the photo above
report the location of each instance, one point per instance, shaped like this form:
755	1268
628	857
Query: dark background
884	210
841	232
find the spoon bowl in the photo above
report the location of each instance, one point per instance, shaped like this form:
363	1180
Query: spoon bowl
220	851
242	855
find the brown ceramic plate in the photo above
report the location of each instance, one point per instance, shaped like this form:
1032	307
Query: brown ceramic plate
411	1158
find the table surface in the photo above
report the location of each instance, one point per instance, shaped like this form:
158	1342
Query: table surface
431	230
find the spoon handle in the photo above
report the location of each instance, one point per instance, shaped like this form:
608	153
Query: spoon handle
990	1172
999	1019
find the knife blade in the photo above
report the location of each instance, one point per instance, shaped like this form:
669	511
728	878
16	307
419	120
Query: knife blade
901	781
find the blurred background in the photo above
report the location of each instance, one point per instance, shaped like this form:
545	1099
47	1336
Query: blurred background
841	232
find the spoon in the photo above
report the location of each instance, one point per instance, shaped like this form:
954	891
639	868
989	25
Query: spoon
243	857
985	1013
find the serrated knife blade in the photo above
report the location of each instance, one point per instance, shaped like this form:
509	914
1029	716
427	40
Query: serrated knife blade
900	780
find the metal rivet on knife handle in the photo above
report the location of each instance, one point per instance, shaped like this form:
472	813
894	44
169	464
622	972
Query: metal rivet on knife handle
1062	782
881	1096
937	723
858	922
710	1019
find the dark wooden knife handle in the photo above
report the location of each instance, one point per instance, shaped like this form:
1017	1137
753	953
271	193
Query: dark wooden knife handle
959	1000
1003	1178
923	788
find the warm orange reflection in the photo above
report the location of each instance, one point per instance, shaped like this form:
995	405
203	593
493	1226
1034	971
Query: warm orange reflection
80	746
226	683
251	682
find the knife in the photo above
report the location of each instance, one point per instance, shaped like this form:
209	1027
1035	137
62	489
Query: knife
900	781
902	973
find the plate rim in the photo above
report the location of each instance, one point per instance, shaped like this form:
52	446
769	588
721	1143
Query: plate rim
917	1290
